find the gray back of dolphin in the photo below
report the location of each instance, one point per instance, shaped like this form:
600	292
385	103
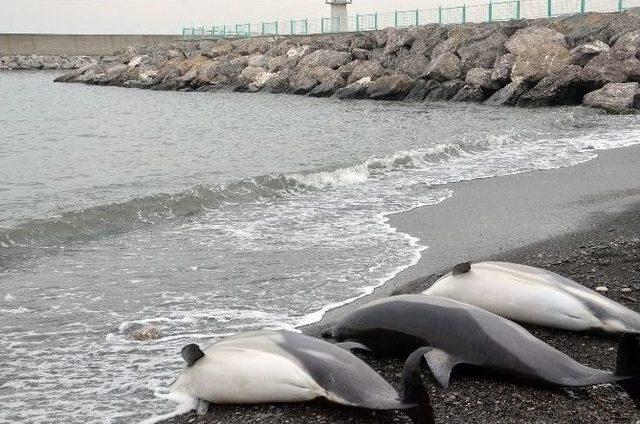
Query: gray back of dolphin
342	373
331	367
462	334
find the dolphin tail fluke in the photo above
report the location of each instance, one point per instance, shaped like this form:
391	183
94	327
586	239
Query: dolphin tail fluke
628	364
441	364
414	390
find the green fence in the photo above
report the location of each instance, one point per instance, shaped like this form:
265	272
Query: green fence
500	10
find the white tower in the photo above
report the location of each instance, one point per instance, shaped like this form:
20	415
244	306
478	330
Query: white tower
339	16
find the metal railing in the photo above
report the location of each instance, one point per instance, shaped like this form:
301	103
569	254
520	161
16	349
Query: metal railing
500	10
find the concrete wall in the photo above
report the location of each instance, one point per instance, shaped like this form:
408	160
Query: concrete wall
61	44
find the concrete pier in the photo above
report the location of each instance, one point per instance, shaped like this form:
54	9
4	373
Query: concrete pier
75	44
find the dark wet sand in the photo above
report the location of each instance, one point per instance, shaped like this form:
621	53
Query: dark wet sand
582	222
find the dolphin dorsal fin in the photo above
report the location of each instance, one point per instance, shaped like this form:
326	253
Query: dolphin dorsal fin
461	268
441	363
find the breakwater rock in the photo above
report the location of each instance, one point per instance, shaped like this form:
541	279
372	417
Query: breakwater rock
590	58
46	62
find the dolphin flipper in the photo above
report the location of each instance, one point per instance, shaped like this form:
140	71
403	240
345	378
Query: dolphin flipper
354	347
441	363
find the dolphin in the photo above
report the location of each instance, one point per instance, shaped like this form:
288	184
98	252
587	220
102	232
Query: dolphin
534	296
458	333
280	367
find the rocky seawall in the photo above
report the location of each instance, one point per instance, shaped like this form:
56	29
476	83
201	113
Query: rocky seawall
25	62
590	59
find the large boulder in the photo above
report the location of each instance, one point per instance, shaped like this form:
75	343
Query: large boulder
482	53
213	51
469	93
509	94
502	68
233	67
559	88
420	90
370	68
391	87
606	27
629	42
539	52
427	38
278	82
585	52
329	84
414	65
327	58
613	65
445	67
253	78
526	39
539	61
446	90
307	78
396	38
615	97
207	72
356	90
482	77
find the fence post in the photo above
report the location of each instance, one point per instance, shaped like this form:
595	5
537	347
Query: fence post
291	21
357	22
490	11
395	19
464	13
517	9
306	26
193	32
322	25
417	16
620	5
582	6
439	14
549	11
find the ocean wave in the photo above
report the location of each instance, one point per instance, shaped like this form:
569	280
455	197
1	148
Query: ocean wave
105	220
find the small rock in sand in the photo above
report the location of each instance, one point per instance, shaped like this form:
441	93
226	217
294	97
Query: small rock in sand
602	289
146	333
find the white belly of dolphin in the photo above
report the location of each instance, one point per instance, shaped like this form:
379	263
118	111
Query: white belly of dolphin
234	375
534	296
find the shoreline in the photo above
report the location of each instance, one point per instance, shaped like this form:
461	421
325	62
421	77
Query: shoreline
419	222
590	203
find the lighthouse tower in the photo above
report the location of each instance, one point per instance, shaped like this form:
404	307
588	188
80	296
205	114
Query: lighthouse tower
339	21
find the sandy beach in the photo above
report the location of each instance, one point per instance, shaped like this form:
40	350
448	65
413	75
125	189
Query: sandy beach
581	221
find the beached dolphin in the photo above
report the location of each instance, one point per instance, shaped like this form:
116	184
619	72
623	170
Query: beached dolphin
464	334
534	296
274	367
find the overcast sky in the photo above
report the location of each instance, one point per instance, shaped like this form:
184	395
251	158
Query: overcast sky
169	16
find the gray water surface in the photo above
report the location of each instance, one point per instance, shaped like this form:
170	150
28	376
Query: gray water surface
204	214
